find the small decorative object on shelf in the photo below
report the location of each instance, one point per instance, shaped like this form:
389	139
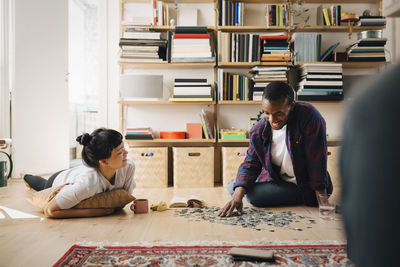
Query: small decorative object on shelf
295	8
350	19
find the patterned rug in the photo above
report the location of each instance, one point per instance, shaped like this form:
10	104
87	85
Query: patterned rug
285	255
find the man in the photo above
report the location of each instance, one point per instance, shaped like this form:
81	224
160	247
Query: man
286	162
369	168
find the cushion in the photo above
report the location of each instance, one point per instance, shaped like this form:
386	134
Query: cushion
112	199
41	198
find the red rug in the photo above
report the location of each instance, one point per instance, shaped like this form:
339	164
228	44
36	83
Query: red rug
285	255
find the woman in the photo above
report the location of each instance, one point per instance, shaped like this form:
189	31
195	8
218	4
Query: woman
106	168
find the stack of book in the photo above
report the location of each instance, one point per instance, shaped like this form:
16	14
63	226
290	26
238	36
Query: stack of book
307	47
191	90
277	15
275	48
191	44
321	82
141	45
371	21
238	47
138	133
330	16
233	86
262	76
232	134
367	49
232	13
208	129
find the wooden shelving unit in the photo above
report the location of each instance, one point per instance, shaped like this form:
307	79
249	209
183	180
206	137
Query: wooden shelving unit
214	29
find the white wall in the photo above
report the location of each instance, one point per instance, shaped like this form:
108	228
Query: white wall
4	70
40	95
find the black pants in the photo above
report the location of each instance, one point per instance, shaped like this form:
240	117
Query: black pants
270	194
38	183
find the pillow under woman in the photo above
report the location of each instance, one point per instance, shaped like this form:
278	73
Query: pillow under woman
106	168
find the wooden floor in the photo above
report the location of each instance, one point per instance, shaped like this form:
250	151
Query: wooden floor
41	242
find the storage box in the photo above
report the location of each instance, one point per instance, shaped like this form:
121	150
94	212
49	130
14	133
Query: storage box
232	157
151	166
193	167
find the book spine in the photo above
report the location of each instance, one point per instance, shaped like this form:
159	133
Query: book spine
326	17
191	36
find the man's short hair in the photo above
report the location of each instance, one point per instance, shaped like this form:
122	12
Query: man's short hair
278	91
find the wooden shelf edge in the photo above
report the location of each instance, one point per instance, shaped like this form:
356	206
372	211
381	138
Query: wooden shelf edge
160	28
262	1
158	140
297	28
231	102
251	64
330	141
169	64
349	64
172	1
162	102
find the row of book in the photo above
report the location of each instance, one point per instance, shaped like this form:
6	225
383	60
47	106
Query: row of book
191	44
191	89
329	16
208	129
231	13
237	47
277	15
367	49
307	46
240	87
321	82
233	86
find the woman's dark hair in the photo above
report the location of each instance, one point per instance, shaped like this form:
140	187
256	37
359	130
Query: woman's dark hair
278	91
98	145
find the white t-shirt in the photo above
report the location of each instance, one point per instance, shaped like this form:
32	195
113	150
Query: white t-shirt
87	181
280	155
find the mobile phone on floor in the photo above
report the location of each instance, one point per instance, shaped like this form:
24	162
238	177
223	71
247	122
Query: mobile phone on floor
251	254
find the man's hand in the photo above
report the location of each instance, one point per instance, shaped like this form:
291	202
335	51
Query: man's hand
235	203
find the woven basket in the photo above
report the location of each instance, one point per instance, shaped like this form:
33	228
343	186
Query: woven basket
151	166
193	167
232	157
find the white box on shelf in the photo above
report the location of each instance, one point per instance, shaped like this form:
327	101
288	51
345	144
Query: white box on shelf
187	16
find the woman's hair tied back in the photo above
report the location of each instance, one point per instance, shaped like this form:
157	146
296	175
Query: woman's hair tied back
84	139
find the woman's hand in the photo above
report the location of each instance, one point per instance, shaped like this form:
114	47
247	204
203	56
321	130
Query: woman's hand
235	203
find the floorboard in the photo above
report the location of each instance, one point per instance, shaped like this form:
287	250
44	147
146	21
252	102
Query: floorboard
41	242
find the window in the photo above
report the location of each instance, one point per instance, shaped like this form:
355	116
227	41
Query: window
87	80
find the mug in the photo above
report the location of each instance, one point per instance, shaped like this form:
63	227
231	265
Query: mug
3	173
140	206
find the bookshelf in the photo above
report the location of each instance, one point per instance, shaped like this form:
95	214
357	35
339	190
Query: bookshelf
222	111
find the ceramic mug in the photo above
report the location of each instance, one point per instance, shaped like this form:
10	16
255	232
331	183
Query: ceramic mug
140	206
